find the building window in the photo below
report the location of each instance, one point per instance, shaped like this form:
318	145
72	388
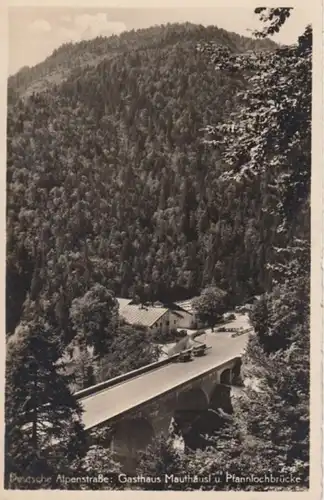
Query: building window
167	323
175	321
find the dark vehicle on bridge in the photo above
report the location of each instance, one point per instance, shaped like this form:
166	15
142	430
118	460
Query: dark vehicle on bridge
185	356
200	350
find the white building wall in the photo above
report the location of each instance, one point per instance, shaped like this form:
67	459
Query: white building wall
162	324
174	320
199	324
186	321
189	320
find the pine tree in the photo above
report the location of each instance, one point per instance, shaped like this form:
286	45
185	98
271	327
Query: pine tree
44	430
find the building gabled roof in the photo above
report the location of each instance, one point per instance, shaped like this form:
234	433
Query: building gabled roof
186	305
176	313
123	302
146	316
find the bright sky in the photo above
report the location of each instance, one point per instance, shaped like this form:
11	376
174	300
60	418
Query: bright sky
34	32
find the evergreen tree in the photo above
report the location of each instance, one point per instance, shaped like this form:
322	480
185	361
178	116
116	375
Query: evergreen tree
44	431
84	362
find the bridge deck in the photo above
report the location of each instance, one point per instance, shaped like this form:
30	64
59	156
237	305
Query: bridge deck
113	401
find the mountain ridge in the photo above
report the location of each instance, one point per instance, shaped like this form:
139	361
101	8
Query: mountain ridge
57	66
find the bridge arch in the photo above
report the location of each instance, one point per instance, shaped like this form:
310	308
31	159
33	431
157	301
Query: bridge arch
226	376
220	398
191	406
192	400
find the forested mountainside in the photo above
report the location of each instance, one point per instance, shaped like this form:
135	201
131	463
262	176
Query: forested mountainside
70	55
109	182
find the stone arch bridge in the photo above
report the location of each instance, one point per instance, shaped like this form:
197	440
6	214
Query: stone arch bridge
138	409
183	406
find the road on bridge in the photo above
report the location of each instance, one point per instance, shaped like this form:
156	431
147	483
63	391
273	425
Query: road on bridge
115	400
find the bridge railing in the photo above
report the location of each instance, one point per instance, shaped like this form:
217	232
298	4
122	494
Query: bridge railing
124	377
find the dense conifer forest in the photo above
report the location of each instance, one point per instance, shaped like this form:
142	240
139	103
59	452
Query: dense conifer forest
109	182
155	164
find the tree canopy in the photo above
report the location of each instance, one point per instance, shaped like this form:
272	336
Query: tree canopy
95	319
44	429
109	182
210	305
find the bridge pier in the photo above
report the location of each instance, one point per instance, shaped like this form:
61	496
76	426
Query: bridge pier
129	437
236	372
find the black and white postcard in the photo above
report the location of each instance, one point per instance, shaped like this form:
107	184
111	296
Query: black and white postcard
163	229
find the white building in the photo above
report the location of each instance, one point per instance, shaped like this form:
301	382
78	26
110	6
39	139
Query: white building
188	317
159	317
155	318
